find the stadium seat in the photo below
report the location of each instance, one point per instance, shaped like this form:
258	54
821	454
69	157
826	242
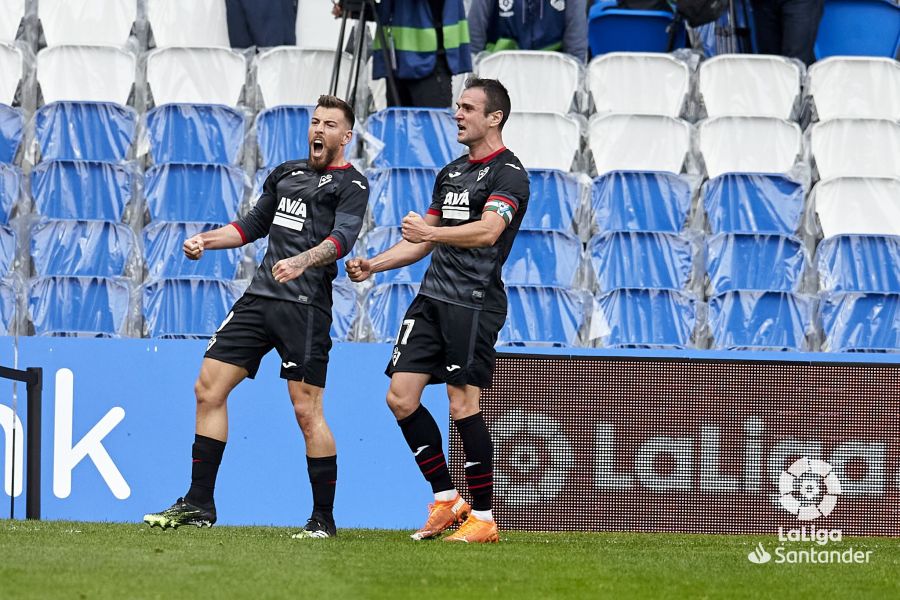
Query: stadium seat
8	248
749	145
309	72
543	258
9	301
636	201
760	320
855	87
165	259
641	259
396	192
76	189
859	263
644	318
10	18
380	239
740	202
856	147
621	30
85	74
85	131
412	137
638	143
187	308
386	303
537	81
11	126
316	28
82	248
859	28
748	85
855	322
86	22
196	76
554	200
204	193
345	309
10	190
194	23
863	205
543	316
639	83
12	69
754	261
84	306
199	133
526	135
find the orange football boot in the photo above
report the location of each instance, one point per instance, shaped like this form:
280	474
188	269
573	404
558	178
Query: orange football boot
475	531
442	515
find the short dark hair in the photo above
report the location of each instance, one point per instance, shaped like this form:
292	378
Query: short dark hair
497	96
328	101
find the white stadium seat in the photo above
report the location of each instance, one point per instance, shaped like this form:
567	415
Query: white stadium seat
10	18
855	86
536	81
543	140
87	21
858	205
749	145
196	75
749	86
856	147
309	73
188	23
639	83
85	73
316	26
638	143
11	71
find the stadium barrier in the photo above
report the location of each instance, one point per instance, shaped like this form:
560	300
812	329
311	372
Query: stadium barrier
32	377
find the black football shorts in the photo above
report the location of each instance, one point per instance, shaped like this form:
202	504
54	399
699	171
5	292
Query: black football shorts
455	344
301	333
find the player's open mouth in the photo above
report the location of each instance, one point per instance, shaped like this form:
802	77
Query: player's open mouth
318	146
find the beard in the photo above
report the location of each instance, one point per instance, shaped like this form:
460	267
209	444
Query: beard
326	158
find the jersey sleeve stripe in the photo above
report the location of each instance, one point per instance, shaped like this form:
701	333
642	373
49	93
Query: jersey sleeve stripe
240	231
505	200
337	245
434	211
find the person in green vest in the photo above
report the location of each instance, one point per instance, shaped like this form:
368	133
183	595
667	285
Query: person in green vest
529	25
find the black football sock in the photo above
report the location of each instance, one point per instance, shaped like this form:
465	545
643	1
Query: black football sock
207	456
424	439
323	478
479	451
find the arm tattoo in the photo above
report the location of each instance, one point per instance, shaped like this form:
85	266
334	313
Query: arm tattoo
323	254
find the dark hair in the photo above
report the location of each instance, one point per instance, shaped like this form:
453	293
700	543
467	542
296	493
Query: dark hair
327	101
497	96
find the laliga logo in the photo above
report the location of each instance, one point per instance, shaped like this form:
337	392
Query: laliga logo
808	475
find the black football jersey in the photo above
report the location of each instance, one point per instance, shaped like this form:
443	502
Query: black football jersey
463	190
300	208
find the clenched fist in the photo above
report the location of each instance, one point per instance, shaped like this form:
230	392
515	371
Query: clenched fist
358	269
193	247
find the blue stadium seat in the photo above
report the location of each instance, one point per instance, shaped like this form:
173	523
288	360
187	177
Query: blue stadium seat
345	309
619	30
638	259
386	304
165	259
760	320
397	191
89	306
414	137
11	125
741	202
204	193
78	189
854	322
859	28
281	133
542	316
195	133
380	239
637	201
10	190
541	257
645	318
85	131
187	308
8	307
81	248
754	261
7	250
554	199
859	263
259	179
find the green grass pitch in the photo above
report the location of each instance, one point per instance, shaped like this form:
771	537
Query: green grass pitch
114	560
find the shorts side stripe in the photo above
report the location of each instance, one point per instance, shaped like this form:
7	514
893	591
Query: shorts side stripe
473	337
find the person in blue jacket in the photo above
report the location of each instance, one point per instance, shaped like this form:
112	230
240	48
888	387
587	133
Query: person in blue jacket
529	25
